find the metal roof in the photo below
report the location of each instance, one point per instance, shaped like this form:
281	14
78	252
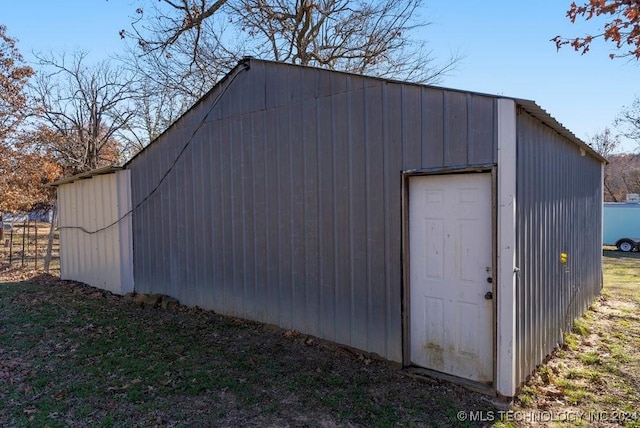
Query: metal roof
539	113
86	175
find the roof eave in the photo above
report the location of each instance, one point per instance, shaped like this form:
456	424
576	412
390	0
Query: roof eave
541	114
86	175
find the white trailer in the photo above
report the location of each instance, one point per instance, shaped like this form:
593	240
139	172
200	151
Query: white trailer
621	225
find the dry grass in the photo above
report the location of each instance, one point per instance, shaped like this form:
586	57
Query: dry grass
25	245
594	380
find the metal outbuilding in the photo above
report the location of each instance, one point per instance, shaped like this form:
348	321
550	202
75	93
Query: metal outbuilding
95	230
450	230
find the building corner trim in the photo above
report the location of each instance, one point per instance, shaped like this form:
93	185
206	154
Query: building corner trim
506	255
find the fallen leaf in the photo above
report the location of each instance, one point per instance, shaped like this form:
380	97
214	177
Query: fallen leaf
118	388
552	391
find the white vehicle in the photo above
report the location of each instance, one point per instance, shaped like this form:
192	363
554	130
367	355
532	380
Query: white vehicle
621	225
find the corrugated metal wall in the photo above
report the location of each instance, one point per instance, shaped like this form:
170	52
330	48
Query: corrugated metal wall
103	259
286	207
558	210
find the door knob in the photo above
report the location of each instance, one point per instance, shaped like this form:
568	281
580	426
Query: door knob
489	295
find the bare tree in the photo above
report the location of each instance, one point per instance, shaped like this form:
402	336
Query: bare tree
179	69
605	142
183	47
361	37
375	38
157	106
629	121
171	79
184	16
84	107
622	176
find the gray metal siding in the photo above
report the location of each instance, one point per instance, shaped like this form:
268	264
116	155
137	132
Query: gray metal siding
286	206
558	211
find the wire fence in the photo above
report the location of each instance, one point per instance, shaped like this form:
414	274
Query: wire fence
25	244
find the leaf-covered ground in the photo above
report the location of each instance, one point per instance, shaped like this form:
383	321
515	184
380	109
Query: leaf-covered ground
72	355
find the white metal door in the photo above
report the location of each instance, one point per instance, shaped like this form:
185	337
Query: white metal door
450	230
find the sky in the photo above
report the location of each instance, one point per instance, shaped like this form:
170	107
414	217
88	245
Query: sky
505	44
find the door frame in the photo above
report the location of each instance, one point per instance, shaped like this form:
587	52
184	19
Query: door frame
406	273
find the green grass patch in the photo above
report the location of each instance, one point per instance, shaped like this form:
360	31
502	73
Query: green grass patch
571	341
574	392
590	358
581	326
527	396
589	374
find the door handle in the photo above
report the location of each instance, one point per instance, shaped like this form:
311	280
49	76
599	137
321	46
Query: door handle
488	295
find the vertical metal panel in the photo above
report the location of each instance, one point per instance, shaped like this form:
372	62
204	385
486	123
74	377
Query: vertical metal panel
358	217
249	218
432	128
296	173
456	119
393	167
327	218
558	211
311	179
412	127
200	208
282	209
271	171
373	246
259	202
480	134
125	234
286	206
102	259
340	195
226	244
